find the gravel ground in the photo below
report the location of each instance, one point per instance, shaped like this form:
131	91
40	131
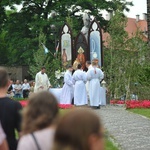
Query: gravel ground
130	131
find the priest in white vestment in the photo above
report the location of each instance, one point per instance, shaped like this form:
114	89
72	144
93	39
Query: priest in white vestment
94	75
67	90
42	82
80	94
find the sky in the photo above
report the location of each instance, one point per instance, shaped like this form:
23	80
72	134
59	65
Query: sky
138	8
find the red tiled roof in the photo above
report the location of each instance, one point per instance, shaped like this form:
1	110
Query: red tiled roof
132	27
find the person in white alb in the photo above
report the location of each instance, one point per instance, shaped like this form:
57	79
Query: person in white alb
94	75
80	94
67	90
25	88
42	82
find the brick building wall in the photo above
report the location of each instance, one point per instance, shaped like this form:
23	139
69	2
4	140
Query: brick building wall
148	19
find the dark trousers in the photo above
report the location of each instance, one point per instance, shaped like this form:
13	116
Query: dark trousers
25	93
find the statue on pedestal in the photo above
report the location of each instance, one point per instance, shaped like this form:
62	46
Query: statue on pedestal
85	28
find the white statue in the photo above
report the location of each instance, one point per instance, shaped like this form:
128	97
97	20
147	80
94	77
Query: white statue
85	28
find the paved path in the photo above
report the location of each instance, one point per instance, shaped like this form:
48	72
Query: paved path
131	131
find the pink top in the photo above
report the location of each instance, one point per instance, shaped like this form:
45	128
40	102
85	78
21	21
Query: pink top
44	138
2	135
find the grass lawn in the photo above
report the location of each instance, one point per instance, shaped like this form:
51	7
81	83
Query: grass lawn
110	145
144	112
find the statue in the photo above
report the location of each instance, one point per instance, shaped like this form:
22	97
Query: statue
85	28
64	57
81	57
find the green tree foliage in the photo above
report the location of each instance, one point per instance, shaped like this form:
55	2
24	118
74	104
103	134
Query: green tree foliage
127	62
23	27
3	49
50	61
39	57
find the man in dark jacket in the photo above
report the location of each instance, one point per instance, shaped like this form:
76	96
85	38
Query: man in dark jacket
9	111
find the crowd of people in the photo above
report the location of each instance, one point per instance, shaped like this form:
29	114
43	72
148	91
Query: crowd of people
20	89
41	127
79	86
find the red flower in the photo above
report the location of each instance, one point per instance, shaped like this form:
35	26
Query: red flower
138	104
24	103
65	106
62	106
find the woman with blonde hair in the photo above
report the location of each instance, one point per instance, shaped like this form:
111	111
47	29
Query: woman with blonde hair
80	129
37	125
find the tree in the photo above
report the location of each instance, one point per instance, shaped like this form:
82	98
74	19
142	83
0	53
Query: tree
3	52
39	57
148	19
126	61
48	60
23	27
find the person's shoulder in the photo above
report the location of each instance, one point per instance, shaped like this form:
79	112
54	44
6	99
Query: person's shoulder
91	68
15	102
76	71
38	73
66	72
7	99
26	137
22	145
99	69
11	101
46	132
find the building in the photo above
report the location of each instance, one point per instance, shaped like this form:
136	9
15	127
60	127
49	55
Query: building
133	25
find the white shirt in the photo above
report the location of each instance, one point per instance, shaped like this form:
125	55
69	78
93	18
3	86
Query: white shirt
18	87
25	86
44	138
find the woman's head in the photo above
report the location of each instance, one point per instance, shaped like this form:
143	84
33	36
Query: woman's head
4	78
42	109
95	62
79	130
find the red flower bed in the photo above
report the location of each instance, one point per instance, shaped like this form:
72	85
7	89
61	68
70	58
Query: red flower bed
137	104
62	106
131	104
117	102
65	106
